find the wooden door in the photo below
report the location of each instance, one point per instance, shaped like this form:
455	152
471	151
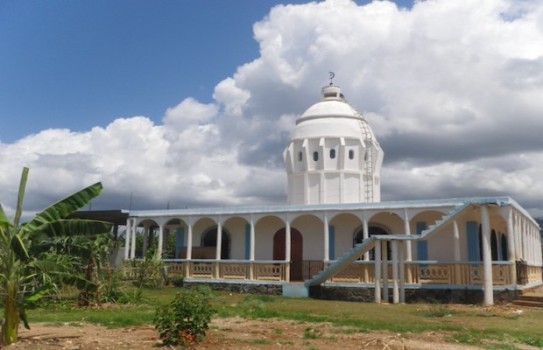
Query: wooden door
296	251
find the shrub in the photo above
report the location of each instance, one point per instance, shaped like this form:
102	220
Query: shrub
186	319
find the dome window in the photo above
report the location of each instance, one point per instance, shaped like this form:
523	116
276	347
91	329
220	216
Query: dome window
333	153
300	156
351	154
315	156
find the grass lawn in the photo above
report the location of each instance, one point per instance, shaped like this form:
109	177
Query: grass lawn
465	324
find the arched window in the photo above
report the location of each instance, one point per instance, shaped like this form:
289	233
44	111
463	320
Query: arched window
332	153
300	156
351	154
315	156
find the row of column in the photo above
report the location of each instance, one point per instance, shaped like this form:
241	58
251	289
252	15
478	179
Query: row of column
398	270
528	239
526	236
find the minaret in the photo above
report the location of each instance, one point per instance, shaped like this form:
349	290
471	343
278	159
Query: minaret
333	156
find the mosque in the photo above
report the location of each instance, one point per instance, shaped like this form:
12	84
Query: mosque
334	233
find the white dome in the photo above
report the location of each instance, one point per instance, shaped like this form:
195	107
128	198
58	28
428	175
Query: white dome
332	156
333	116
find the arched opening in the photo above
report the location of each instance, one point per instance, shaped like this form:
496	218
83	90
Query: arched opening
503	247
373	230
209	239
296	251
494	245
146	238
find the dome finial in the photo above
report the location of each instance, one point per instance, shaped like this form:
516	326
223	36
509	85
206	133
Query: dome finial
332	75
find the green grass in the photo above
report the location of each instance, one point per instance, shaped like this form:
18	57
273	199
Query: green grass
490	329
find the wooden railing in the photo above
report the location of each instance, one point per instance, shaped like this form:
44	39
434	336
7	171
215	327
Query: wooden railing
415	272
227	269
535	274
432	272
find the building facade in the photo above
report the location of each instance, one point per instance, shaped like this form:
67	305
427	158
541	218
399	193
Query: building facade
334	231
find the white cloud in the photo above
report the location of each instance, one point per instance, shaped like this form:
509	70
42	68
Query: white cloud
452	90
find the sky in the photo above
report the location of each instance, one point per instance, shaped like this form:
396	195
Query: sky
183	104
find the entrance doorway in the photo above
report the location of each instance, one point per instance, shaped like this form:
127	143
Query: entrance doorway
296	251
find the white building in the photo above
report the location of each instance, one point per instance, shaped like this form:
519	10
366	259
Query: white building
335	232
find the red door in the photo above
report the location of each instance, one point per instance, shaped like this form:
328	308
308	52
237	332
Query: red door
296	251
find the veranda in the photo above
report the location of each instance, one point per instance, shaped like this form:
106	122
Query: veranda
487	244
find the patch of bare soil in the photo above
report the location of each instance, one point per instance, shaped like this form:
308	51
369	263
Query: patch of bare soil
229	334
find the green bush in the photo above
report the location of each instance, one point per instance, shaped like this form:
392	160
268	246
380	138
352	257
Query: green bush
186	319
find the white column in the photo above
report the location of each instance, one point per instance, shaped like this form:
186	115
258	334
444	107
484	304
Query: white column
146	233
189	240
516	231
523	239
487	257
252	238
287	242
384	254
395	290
456	237
408	248
252	250
133	241
511	251
218	249
219	241
188	264
160	240
287	250
378	265
401	258
407	229
518	237
326	239
456	248
365	235
533	244
127	238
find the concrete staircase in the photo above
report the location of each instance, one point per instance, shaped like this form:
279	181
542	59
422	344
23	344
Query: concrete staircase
531	298
341	263
444	220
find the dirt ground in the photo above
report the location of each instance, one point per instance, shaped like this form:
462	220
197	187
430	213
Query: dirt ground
229	334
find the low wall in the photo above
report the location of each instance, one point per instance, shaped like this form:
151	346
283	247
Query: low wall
364	294
269	289
444	296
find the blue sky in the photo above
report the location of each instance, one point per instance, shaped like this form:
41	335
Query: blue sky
191	103
79	64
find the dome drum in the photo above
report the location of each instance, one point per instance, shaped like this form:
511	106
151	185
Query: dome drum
333	156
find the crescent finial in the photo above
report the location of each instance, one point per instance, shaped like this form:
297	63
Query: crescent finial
332	75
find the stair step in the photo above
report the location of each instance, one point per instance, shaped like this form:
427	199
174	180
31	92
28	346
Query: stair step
528	303
528	297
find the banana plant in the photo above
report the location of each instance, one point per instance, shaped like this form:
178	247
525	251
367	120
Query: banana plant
18	268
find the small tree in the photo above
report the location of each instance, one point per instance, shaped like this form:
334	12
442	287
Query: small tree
186	319
18	268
